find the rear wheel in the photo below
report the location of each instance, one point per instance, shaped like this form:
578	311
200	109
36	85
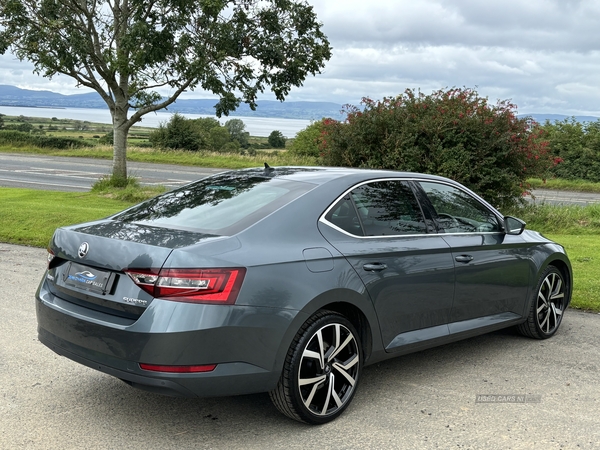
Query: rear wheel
548	305
321	370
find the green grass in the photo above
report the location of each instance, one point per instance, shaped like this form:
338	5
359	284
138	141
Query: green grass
185	158
29	217
131	192
560	219
584	253
564	185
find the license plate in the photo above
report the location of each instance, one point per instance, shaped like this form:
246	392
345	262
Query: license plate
88	278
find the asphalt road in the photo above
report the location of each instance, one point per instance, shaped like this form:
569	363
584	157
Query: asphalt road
422	401
565	197
78	174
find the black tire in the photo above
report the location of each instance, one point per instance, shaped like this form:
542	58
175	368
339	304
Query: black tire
548	305
321	371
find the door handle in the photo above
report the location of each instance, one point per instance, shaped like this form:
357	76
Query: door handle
464	258
374	267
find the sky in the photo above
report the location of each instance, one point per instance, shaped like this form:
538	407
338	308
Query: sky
543	55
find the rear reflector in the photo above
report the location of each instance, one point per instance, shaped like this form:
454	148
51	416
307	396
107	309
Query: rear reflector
178	369
191	285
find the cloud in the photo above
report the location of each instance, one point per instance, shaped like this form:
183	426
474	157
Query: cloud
542	54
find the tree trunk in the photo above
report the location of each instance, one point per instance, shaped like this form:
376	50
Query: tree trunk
120	131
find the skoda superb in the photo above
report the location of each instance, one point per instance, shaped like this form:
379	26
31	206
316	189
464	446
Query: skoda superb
290	280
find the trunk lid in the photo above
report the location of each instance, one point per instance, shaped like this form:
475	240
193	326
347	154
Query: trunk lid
90	259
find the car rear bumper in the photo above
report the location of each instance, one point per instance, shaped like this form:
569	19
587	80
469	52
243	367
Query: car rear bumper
226	379
247	344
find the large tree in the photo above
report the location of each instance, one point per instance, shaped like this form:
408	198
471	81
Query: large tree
130	50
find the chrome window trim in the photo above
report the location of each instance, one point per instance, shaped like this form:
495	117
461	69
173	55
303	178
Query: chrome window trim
395	236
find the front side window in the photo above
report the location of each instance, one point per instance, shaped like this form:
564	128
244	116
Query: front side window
388	208
458	211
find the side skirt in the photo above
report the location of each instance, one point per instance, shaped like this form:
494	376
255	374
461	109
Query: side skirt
413	341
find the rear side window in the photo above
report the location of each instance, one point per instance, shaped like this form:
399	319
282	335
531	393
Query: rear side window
222	205
343	215
382	208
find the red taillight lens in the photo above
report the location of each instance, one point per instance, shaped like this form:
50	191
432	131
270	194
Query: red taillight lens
178	369
191	285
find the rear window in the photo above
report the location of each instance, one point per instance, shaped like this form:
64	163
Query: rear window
224	204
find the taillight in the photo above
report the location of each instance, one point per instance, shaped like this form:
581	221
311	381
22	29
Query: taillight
191	285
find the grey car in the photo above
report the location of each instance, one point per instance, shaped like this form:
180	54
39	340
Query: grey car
290	280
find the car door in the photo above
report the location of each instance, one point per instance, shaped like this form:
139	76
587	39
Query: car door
406	267
492	268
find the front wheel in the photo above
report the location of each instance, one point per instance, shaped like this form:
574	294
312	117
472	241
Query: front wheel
321	370
548	305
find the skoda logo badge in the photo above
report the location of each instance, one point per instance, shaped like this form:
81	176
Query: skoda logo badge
83	249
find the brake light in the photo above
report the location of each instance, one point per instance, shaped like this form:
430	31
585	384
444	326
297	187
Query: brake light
178	369
191	285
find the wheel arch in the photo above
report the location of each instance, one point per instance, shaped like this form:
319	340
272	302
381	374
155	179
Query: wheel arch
360	322
356	307
562	263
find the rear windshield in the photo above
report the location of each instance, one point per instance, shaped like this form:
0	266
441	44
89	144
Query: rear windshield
224	204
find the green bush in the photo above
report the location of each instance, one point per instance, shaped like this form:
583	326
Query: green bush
276	139
308	142
180	133
19	138
230	147
24	127
577	146
177	134
453	133
219	136
107	139
237	131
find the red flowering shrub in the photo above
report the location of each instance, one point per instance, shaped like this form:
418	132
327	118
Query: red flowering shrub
453	133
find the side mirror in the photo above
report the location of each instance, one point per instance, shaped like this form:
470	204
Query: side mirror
512	225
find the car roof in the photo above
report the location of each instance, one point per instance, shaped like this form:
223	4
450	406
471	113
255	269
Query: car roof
322	175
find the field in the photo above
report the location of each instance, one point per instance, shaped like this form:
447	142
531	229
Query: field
89	132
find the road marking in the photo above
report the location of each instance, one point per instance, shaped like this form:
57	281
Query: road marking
60	172
43	184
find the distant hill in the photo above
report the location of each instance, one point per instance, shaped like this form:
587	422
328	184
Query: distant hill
541	118
14	96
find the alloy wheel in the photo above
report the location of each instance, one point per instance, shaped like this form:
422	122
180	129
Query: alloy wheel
550	303
329	368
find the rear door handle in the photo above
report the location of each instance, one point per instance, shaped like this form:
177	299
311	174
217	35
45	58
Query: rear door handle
374	267
464	258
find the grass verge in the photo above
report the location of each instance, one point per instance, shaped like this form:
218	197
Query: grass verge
584	253
29	217
184	158
564	185
560	219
